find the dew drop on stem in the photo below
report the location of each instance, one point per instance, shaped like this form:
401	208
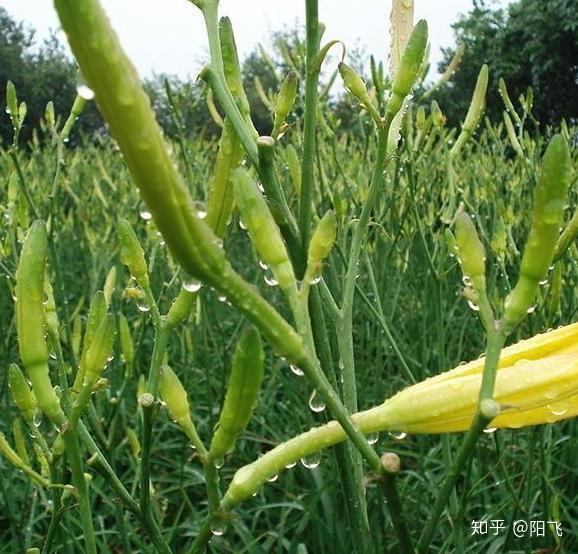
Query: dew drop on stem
37	419
143	307
311	462
372	438
218	530
296	370
316	403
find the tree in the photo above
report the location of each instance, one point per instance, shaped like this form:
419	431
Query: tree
533	43
39	76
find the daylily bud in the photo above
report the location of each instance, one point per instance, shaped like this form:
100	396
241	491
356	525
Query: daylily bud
470	252
174	395
549	199
356	86
321	243
475	111
100	349
21	393
131	253
285	101
242	391
265	233
409	68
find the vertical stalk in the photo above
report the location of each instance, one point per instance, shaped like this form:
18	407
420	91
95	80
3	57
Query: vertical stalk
496	340
310	121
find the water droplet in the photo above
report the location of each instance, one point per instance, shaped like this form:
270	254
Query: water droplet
270	280
145	214
221	298
37	419
296	370
291	465
219	463
531	309
558	408
263	265
316	403
192	286
543	282
473	306
398	436
490	430
142	306
466	280
242	225
218	530
201	214
273	478
85	92
52	355
315	280
311	462
372	438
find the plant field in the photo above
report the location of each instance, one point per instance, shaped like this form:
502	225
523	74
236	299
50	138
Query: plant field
173	311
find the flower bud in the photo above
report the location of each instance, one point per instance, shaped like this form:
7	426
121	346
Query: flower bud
242	391
21	393
174	395
321	243
132	254
409	67
470	252
285	101
549	199
475	111
265	233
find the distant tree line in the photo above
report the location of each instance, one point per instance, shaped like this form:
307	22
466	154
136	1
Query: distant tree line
532	43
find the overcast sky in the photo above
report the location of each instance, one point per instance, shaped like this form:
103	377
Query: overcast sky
166	36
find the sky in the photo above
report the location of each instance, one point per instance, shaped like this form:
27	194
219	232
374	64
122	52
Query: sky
167	36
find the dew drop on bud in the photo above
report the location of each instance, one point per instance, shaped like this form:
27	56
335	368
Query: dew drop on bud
145	215
192	286
85	92
398	436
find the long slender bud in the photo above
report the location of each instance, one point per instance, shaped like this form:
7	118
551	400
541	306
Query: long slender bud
549	200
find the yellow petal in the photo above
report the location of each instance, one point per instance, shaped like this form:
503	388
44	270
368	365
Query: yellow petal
537	382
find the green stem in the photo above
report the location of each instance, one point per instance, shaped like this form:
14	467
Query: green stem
496	342
396	512
310	122
76	467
